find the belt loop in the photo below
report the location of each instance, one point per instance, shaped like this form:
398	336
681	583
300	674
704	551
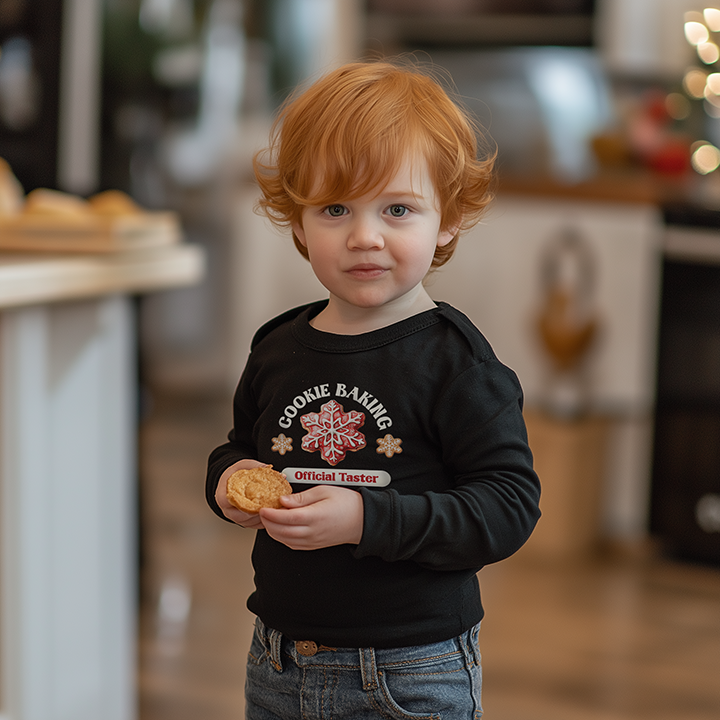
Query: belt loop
368	669
475	640
272	640
468	642
275	646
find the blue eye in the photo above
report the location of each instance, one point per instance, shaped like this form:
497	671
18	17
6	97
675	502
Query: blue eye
397	210
335	210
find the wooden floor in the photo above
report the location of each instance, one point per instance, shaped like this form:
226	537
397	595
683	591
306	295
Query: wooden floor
621	638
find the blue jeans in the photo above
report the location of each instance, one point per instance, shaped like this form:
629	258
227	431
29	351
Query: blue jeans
289	680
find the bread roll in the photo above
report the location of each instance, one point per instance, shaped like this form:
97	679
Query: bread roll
43	201
113	203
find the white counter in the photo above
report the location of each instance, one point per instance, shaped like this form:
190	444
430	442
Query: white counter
68	562
41	278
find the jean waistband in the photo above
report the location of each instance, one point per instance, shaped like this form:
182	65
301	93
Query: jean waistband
309	652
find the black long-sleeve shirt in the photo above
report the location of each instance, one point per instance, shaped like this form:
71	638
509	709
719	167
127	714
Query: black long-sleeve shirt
423	420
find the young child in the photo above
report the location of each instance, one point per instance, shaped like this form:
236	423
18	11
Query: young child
399	430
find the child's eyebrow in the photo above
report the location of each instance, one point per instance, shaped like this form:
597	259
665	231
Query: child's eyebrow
414	199
402	193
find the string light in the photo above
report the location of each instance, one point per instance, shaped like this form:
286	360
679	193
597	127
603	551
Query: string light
701	85
705	158
712	97
696	33
708	52
694	83
713	82
711	16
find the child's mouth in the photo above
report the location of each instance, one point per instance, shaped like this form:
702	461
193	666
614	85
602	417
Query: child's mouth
366	272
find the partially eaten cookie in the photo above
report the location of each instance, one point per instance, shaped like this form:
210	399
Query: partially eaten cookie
255	488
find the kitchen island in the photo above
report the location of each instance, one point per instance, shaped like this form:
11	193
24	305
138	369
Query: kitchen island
68	479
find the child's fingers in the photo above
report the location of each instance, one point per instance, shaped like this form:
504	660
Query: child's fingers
295	504
319	517
246	520
282	516
301	499
311	496
295	536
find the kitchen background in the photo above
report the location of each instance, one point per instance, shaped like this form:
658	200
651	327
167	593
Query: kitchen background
596	274
601	113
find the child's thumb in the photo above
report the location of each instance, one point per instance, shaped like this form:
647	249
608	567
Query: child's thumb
306	497
294	500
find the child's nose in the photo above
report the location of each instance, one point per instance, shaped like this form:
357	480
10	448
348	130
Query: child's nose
365	234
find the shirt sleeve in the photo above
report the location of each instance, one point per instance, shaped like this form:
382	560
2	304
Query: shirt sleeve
493	507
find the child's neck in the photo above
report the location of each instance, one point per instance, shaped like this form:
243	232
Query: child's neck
342	318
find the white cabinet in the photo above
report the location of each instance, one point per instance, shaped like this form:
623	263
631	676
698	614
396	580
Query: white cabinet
68	500
495	279
68	560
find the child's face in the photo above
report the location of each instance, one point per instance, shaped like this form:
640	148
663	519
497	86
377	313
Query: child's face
376	249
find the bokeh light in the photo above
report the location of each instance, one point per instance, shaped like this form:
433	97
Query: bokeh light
713	82
705	158
696	33
711	96
694	82
708	52
712	18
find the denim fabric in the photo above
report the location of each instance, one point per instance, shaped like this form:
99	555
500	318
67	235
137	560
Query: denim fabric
440	681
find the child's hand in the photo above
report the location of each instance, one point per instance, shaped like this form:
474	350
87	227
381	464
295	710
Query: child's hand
239	517
320	517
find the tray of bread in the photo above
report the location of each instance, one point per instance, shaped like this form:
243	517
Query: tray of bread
47	220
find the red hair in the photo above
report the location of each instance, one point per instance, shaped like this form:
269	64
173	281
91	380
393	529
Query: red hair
350	131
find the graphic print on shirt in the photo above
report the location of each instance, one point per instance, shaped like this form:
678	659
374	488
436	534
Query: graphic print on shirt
282	444
332	432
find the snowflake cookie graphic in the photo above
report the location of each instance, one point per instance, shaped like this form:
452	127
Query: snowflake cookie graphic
333	432
282	444
388	445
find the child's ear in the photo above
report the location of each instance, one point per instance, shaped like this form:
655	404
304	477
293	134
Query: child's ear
299	233
445	236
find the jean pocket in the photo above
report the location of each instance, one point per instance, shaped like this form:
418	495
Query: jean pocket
441	688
